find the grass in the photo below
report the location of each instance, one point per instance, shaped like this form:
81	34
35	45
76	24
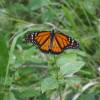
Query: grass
27	73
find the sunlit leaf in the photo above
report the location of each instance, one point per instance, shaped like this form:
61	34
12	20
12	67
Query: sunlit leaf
72	81
49	84
70	64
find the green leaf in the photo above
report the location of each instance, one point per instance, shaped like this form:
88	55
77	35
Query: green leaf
66	58
88	96
30	93
48	15
10	96
36	4
49	84
89	6
69	17
73	67
27	55
70	63
17	7
71	81
3	55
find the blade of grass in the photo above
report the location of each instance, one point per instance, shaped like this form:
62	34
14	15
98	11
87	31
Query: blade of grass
11	53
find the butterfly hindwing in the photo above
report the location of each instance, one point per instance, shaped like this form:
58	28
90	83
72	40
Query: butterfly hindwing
55	48
62	39
66	41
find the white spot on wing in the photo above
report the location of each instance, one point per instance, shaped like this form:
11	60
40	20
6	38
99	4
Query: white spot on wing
32	37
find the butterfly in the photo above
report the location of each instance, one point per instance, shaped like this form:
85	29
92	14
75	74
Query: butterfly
51	42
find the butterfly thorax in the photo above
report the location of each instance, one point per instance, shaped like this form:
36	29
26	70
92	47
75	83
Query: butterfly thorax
51	38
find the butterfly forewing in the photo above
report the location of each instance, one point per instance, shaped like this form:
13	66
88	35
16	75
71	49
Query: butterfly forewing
42	37
43	41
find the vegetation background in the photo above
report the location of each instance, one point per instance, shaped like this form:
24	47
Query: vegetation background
28	74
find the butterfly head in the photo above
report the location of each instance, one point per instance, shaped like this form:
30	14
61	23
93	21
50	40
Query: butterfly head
29	38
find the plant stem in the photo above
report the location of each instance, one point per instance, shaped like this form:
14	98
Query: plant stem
59	90
57	77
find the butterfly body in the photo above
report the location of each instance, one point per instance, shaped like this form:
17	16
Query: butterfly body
52	42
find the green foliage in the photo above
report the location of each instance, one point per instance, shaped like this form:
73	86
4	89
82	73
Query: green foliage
49	84
10	96
26	73
71	82
3	55
89	96
37	4
70	63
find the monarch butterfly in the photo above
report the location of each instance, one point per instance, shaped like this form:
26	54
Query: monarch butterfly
51	42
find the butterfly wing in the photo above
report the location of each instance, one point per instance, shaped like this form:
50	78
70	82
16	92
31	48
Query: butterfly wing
42	39
61	42
53	43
